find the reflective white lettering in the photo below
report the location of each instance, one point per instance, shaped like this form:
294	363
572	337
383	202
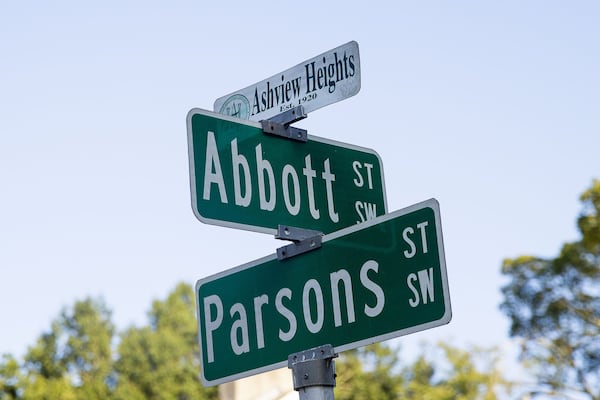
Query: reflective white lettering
413	248
426	284
410	279
210	177
290	172
310	174
374	311
421	227
264	166
239	330
260	335
329	178
335	278
238	161
285	312
313	285
210	323
358	181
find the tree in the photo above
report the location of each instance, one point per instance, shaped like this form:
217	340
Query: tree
161	361
73	360
457	375
367	373
554	306
373	372
9	378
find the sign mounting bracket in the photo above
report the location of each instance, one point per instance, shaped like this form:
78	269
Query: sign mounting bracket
304	240
279	125
313	372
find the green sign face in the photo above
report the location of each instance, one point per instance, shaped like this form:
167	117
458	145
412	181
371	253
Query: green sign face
367	283
243	178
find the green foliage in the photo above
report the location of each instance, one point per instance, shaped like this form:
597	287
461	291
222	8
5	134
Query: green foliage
355	381
75	359
554	306
9	378
460	375
87	353
374	373
162	361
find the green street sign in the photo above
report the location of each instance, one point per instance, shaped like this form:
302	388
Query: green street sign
367	283
243	178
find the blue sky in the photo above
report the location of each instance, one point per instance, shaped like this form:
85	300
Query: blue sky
490	107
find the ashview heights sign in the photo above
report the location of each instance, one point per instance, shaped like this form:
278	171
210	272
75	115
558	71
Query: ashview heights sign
315	83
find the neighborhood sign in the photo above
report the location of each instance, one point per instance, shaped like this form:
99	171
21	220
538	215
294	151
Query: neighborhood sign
243	178
325	79
367	283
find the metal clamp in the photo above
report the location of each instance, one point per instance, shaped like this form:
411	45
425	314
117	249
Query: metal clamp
304	240
279	125
314	367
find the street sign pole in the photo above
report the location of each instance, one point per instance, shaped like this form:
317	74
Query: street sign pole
313	371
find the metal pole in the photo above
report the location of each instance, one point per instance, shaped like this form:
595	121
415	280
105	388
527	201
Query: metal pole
313	372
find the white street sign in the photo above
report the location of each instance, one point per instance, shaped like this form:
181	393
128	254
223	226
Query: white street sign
325	79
